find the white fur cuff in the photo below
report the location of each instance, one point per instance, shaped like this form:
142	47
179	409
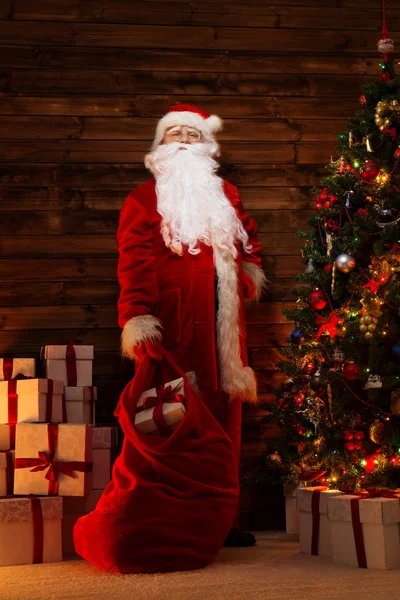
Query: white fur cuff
144	328
258	278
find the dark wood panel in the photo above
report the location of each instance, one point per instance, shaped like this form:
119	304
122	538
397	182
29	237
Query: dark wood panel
132	128
111	199
197	13
246	176
99	222
226	107
220	38
190	84
62	269
110	151
228	61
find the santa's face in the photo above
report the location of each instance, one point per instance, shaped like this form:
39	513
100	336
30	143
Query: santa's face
183	134
191	199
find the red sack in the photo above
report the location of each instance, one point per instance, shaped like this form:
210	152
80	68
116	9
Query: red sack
171	500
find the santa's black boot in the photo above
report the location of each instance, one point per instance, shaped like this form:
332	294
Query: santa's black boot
237	538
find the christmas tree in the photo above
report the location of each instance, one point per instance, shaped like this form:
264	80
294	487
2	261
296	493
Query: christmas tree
339	406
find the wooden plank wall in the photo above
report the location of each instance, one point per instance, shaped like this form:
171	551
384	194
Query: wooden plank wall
82	85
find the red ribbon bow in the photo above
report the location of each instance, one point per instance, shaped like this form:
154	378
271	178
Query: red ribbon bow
164	394
378	493
329	325
392	132
373	285
54	467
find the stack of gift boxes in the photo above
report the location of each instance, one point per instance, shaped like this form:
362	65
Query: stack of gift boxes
54	464
359	530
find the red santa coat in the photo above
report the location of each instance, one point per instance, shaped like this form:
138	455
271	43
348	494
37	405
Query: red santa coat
159	287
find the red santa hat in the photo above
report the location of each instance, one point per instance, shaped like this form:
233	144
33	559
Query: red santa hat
192	116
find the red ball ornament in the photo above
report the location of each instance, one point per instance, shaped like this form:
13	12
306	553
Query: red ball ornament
363	100
349	446
357	445
310	367
351	370
348	436
369	171
397	153
317	300
359	435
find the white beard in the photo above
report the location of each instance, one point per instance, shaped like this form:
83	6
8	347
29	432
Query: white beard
191	199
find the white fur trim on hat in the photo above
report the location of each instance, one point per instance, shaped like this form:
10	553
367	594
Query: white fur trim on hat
208	127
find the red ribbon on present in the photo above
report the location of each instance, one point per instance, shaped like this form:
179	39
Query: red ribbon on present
356	521
70	358
329	325
8	366
164	394
392	132
38	533
9	471
54	467
12	398
11	428
316	518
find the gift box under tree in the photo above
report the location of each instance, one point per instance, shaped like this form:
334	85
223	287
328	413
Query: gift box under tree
365	529
80	404
6	472
31	401
71	363
104	452
314	528
30	530
53	459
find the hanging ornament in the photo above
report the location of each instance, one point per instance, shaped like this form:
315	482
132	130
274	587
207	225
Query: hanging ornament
373	382
309	367
395	402
362	100
310	266
297	336
317	299
325	199
349	195
317	381
369	171
349	446
385	45
396	350
397	153
351	371
368	324
345	263
351	139
368	144
359	435
338	357
376	432
385	217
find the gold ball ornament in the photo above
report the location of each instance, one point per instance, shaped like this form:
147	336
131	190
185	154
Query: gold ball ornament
367	319
380	110
363	328
395	402
376	432
368	335
371	327
378	120
382	127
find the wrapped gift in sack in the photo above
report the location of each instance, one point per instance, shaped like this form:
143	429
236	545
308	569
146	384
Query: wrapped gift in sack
171	500
74	508
291	512
10	368
53	459
161	409
6	472
314	527
104	454
30	530
365	529
71	363
7	436
31	401
80	404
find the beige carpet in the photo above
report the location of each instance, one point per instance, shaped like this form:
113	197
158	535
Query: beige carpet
272	570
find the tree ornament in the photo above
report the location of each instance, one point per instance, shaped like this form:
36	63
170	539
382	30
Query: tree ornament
397	153
373	382
385	217
338	356
317	299
317	380
296	336
369	171
309	367
385	45
310	266
362	100
359	435
345	263
348	436
351	371
349	446
349	195
396	351
395	402
376	432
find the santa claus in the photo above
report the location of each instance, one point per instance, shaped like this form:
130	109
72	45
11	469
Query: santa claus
188	257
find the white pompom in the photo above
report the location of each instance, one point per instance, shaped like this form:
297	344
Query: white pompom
214	123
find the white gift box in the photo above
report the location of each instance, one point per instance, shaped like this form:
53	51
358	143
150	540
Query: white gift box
55	364
31	400
74	443
18	530
379	519
7	436
172	412
16	366
80	404
103	455
291	512
306	531
6	472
